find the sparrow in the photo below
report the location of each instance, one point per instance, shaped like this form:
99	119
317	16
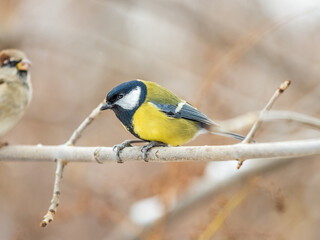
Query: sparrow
15	88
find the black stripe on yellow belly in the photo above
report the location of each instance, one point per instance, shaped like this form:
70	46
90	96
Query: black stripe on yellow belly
153	125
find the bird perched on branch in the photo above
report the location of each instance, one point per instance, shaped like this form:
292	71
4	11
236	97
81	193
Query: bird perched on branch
156	115
15	87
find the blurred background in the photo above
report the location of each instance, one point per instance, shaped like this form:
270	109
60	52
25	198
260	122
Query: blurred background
225	57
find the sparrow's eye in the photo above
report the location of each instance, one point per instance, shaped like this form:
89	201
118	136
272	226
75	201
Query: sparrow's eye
10	63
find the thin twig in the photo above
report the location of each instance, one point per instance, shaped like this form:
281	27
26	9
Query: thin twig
55	198
77	133
247	120
292	116
62	163
258	123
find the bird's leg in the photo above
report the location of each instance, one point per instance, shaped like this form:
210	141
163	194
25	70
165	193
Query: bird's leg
150	145
127	143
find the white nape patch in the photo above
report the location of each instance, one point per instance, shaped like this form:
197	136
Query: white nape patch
130	100
179	107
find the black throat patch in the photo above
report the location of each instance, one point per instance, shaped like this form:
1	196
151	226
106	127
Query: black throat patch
124	115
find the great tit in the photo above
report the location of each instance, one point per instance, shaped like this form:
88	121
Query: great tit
156	115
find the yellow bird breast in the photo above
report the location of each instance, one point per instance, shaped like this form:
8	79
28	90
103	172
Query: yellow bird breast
153	125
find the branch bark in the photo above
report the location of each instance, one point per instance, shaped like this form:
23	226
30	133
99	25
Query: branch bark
56	195
61	163
162	154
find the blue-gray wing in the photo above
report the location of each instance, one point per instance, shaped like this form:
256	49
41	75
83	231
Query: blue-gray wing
184	110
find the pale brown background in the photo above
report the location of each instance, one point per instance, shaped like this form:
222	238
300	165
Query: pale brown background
80	49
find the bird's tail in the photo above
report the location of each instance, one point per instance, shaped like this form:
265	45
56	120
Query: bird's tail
220	131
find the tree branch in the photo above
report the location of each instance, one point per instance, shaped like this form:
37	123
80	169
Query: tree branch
55	197
61	164
246	120
162	154
77	133
292	116
257	124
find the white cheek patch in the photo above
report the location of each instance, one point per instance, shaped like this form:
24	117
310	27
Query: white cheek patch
130	100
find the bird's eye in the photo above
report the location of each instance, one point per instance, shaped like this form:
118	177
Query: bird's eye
120	96
10	63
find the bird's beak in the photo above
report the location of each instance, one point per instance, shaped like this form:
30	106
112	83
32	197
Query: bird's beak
106	106
24	65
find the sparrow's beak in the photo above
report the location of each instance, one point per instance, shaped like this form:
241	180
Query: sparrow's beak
24	65
106	106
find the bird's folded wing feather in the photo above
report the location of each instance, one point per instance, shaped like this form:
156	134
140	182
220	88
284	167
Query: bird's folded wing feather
184	110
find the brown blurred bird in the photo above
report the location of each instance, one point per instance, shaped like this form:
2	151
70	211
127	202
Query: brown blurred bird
15	87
